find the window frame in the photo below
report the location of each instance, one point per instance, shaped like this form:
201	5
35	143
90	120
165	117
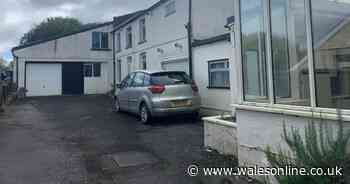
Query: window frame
142	31
119	42
226	61
271	105
128	37
100	40
143	59
92	65
129	64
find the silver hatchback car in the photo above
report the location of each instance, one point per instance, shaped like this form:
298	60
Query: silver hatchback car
157	94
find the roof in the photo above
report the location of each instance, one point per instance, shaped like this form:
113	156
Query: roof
139	14
223	37
118	19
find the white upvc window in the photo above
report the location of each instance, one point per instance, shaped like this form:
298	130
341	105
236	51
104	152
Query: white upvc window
129	64
294	53
219	74
143	61
100	40
128	39
142	30
118	42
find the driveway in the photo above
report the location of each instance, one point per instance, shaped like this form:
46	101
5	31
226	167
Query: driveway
78	140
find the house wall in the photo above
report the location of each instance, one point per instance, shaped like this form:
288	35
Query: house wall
208	20
210	17
73	48
98	85
214	101
162	32
257	130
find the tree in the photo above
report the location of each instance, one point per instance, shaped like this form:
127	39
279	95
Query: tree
51	27
2	64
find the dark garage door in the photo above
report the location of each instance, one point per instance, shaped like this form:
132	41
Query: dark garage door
72	79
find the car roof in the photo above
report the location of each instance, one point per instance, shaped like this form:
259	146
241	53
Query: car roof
156	71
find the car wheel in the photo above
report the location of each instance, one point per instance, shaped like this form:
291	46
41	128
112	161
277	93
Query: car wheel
116	105
145	115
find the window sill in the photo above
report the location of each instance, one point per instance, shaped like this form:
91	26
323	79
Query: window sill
97	49
212	87
307	112
142	42
128	48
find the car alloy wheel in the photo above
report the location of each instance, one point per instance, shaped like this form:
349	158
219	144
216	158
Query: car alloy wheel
144	114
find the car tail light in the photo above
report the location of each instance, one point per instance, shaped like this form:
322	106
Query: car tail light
157	89
194	87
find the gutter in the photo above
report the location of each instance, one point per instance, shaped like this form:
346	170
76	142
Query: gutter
189	36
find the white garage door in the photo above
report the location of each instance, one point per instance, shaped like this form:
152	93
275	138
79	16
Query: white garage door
176	65
43	79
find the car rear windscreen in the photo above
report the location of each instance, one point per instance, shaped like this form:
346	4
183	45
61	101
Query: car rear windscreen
170	78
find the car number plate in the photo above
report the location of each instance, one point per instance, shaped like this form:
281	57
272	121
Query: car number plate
181	103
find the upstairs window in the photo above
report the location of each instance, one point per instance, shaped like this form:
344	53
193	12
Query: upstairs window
129	37
142	29
99	40
170	9
118	42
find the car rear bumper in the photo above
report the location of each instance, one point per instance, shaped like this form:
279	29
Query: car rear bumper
161	112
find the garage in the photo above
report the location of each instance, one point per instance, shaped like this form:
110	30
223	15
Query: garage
51	79
43	79
176	65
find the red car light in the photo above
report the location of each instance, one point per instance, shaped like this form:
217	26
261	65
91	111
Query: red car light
157	89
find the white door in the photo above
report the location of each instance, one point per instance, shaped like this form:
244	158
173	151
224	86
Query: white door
43	79
176	65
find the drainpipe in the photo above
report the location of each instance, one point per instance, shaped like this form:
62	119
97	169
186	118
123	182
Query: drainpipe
189	36
15	58
114	71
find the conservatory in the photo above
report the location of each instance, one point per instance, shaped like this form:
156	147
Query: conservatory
293	67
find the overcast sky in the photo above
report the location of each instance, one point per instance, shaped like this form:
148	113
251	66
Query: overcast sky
18	16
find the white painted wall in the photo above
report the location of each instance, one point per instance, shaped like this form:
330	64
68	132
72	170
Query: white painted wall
257	130
209	17
97	85
212	99
162	33
73	48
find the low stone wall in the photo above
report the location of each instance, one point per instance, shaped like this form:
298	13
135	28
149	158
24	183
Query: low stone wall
221	135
